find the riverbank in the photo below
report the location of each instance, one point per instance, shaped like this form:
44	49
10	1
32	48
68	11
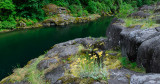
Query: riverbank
58	20
56	16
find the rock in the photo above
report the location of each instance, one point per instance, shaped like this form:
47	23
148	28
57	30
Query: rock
44	64
120	76
113	36
131	39
158	29
22	24
71	47
148	54
145	79
157	10
58	82
62	10
63	51
139	14
52	9
156	19
146	8
56	73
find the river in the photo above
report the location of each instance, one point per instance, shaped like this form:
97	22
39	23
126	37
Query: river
20	46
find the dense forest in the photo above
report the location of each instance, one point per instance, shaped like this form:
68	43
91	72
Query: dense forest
31	11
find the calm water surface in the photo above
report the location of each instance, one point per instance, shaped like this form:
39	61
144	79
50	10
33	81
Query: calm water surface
18	47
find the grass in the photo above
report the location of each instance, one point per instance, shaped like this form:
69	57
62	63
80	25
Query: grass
131	65
145	23
29	73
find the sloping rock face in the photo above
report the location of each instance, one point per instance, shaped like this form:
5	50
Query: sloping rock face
138	45
141	45
53	61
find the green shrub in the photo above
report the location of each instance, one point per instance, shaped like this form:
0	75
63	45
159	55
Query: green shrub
125	10
85	12
92	8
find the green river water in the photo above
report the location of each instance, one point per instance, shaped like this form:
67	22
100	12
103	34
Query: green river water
18	47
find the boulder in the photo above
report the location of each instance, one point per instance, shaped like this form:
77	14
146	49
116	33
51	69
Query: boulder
131	39
63	51
120	76
145	79
139	14
148	54
56	73
113	36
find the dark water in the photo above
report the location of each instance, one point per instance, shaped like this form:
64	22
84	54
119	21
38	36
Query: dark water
18	47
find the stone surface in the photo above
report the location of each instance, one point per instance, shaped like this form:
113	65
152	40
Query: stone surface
131	39
145	79
120	76
148	54
56	73
113	36
44	64
71	47
139	14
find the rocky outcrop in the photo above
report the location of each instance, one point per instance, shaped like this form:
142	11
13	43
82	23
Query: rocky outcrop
65	19
138	45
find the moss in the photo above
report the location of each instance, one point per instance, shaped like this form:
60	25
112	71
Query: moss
86	81
70	79
29	72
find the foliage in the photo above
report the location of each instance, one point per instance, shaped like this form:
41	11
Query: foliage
125	10
131	65
33	9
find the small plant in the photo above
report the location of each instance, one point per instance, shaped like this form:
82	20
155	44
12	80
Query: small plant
131	65
88	66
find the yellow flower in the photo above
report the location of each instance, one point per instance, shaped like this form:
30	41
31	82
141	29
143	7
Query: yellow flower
100	53
91	58
106	54
89	54
79	59
95	56
92	62
85	59
95	49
